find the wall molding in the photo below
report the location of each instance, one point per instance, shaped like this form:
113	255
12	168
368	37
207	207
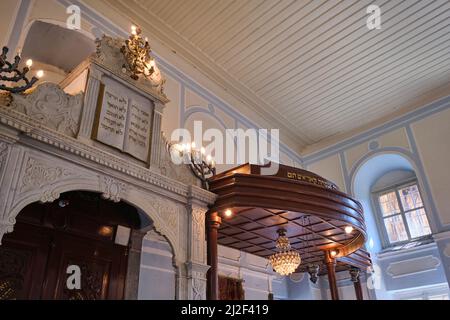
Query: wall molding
382	256
373	133
399	269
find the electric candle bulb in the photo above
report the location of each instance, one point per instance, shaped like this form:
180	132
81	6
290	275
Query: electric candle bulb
193	145
29	63
202	150
133	30
208	158
40	74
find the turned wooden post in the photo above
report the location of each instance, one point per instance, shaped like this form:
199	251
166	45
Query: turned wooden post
354	273
330	262
213	225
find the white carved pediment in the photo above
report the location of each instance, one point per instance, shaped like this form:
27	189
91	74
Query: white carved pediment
50	106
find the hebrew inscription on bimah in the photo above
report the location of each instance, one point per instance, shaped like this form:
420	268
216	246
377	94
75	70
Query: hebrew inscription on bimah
124	123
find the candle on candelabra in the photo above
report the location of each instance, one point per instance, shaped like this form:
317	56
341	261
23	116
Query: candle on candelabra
201	164
13	79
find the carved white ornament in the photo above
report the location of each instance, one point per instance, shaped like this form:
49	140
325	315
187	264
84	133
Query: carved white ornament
198	289
198	234
112	188
50	106
168	212
38	175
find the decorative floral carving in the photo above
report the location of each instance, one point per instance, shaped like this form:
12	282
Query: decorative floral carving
49	196
168	213
198	289
50	106
112	188
198	234
39	175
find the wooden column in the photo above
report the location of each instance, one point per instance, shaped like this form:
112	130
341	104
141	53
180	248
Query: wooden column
213	224
331	270
354	273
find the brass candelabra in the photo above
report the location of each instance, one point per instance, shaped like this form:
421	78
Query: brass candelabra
202	165
10	75
137	54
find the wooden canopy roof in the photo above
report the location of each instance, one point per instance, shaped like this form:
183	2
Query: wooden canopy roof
311	209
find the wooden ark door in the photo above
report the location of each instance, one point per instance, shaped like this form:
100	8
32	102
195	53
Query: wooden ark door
48	238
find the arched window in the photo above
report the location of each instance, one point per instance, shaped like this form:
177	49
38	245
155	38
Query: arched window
400	209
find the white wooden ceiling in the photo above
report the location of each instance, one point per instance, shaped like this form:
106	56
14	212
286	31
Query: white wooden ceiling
314	64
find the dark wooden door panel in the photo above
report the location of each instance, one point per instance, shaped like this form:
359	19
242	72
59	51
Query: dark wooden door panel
23	258
100	265
48	238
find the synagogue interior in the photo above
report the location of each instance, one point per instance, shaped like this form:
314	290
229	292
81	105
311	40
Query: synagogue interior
224	150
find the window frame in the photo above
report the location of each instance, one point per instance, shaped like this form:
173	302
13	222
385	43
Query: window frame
380	218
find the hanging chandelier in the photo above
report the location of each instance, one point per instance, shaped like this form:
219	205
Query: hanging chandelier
286	260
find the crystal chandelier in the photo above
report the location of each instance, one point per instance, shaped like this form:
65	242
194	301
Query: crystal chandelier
286	260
